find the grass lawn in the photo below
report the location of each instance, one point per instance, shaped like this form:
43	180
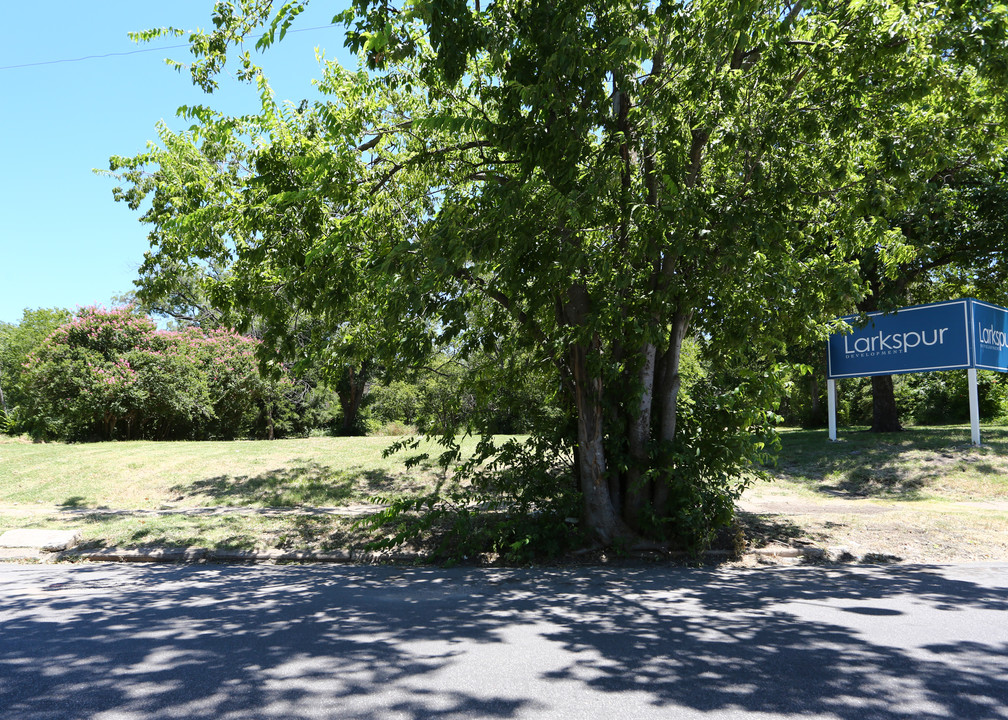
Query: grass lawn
54	485
919	464
219	532
925	494
922	495
320	471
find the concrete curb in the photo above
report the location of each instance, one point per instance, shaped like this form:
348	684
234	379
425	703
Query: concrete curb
49	546
837	554
356	510
21	554
812	553
275	557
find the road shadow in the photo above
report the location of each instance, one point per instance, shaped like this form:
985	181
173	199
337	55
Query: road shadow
380	642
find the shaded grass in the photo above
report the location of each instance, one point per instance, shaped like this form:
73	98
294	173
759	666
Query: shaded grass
282	473
762	530
53	485
307	483
215	532
910	532
922	495
921	463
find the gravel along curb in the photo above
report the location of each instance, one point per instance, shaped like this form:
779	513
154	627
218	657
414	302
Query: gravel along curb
272	557
196	555
818	554
810	553
48	546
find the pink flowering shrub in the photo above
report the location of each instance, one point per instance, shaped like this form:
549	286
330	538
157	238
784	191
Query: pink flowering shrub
112	374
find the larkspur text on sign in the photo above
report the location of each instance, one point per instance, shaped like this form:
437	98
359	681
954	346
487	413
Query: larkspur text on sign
912	339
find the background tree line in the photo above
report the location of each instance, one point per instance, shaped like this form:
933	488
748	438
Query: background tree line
98	374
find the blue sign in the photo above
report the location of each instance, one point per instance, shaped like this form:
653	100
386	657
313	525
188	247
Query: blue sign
951	335
920	338
989	327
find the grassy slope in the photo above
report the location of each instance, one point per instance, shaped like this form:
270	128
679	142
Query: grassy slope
132	475
52	485
924	495
912	489
921	464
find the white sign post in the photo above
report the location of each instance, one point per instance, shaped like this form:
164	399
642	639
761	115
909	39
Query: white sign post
974	400
831	405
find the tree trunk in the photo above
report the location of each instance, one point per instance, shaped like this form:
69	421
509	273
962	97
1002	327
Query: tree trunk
599	514
351	394
818	412
885	415
670	379
668	395
637	490
109	421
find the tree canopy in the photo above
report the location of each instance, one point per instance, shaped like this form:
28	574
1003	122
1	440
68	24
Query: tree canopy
16	344
587	184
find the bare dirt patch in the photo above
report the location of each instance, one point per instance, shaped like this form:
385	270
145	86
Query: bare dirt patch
893	532
923	495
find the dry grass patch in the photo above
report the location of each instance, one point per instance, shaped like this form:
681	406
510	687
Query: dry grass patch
61	486
212	532
904	534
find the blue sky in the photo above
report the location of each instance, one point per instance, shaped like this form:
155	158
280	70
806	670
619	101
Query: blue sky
64	242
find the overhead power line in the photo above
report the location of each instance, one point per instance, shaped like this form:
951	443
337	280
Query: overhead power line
128	52
90	57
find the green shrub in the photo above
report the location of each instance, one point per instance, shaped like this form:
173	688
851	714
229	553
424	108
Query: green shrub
452	395
16	344
111	374
933	398
397	401
512	501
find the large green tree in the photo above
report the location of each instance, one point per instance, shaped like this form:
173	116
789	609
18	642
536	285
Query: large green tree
601	179
222	259
955	229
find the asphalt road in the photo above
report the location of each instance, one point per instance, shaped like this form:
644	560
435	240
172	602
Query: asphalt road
158	642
